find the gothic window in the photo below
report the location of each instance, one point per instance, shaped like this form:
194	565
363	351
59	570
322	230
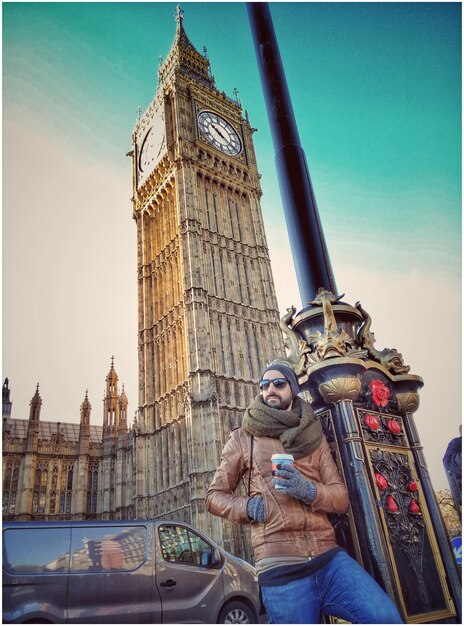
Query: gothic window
53	489
231	219
238	280
231	349
92	487
37	479
7	481
55	478
66	489
248	349
221	338
215	212
214	272
256	344
238	221
10	488
222	275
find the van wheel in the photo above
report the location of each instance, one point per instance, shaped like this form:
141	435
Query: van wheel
237	613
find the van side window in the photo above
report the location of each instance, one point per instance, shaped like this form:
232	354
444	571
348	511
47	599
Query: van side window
181	545
108	548
36	550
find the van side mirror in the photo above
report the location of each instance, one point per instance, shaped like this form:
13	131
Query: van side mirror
216	560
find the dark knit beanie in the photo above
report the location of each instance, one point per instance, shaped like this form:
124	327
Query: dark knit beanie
287	372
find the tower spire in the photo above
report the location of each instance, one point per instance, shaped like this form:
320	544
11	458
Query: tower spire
179	15
36	405
6	402
110	402
86	408
185	56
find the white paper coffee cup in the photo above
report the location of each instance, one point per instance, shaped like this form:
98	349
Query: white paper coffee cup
278	462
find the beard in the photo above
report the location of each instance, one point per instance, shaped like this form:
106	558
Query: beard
276	402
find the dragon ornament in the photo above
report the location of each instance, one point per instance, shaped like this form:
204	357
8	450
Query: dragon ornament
334	341
299	353
390	358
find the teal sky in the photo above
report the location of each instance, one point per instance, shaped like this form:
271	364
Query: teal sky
376	89
377	95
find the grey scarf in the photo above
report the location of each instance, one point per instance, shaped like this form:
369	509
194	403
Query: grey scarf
299	430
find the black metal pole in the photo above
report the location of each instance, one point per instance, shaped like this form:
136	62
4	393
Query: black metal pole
309	250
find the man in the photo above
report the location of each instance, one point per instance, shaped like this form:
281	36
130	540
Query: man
301	570
453	467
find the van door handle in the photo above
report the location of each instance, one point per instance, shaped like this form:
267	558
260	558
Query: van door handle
168	583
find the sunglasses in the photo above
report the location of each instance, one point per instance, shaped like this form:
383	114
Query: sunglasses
279	383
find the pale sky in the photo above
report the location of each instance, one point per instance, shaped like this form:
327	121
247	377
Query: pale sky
376	89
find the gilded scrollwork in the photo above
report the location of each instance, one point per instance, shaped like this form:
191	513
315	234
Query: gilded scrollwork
308	345
382	429
332	342
408	402
398	493
337	389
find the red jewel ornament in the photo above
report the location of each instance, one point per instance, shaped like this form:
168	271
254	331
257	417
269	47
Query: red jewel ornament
413	486
381	481
392	507
414	507
380	393
394	427
372	422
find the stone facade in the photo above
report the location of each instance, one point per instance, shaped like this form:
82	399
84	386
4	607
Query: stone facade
208	314
54	470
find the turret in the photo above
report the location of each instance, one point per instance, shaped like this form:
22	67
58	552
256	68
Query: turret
86	409
6	402
123	404
35	406
111	400
34	421
84	430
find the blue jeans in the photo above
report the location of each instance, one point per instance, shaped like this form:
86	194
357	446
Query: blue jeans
342	589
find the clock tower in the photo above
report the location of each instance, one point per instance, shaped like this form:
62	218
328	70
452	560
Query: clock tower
207	310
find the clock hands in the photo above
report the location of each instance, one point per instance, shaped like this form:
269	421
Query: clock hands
218	131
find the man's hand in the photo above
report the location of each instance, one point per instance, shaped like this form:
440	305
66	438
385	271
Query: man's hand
291	481
255	509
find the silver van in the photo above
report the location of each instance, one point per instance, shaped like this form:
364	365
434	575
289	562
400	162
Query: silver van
122	572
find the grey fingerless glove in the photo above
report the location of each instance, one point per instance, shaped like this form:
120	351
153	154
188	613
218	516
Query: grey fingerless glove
255	509
291	481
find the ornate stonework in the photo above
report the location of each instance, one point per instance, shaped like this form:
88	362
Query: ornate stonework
208	315
54	470
339	389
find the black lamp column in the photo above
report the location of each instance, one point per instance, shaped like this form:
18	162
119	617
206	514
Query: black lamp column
309	250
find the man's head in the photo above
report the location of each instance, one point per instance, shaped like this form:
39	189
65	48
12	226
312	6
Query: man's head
279	385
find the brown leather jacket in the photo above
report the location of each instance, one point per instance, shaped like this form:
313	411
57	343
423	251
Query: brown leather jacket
292	528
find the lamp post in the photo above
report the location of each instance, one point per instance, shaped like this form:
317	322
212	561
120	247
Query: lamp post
365	397
309	250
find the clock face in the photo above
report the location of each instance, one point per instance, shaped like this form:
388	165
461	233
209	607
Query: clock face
219	133
152	148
